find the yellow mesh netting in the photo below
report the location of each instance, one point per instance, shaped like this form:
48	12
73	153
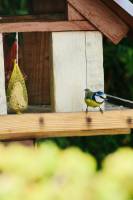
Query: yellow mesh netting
16	92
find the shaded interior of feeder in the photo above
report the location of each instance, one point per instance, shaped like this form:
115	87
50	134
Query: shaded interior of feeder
35	7
35	50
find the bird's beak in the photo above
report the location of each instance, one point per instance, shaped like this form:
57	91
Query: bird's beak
85	89
104	97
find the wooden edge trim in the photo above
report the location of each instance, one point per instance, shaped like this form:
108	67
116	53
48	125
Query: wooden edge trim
36	135
102	17
65	124
46	26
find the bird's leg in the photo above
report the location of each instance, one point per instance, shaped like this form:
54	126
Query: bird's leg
86	109
101	110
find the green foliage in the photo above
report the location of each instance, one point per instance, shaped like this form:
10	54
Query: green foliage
118	67
118	64
14	7
98	146
50	173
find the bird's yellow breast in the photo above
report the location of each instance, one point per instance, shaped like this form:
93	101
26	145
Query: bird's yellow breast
92	103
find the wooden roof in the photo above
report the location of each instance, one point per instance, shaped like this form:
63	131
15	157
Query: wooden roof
123	9
113	18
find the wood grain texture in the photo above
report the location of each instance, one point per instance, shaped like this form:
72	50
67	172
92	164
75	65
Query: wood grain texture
65	124
33	18
3	103
35	62
123	14
77	64
102	17
94	56
73	14
69	71
28	138
46	26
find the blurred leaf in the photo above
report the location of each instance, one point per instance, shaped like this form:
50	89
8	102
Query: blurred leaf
118	68
14	7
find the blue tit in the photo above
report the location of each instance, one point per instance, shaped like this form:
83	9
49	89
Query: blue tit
94	99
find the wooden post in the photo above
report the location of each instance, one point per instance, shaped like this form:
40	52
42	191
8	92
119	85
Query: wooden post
3	104
77	64
94	53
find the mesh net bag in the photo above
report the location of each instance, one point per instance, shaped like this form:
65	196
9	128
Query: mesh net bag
16	92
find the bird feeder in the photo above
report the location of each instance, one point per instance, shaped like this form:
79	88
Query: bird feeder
63	54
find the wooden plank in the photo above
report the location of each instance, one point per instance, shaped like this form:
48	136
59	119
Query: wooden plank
60	124
94	56
37	18
123	14
102	17
3	104
46	26
69	71
77	64
36	65
73	14
22	138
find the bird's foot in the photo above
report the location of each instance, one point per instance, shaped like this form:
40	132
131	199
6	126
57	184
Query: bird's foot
86	110
101	110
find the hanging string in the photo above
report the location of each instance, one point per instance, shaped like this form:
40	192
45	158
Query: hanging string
86	59
17	47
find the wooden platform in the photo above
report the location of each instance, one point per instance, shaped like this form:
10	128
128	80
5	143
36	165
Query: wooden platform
41	122
27	126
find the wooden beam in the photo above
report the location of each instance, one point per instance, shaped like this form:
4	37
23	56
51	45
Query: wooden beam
69	71
94	57
3	103
46	26
119	10
102	17
22	138
73	14
65	124
31	18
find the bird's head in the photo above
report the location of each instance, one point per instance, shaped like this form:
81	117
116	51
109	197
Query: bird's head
99	96
86	90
